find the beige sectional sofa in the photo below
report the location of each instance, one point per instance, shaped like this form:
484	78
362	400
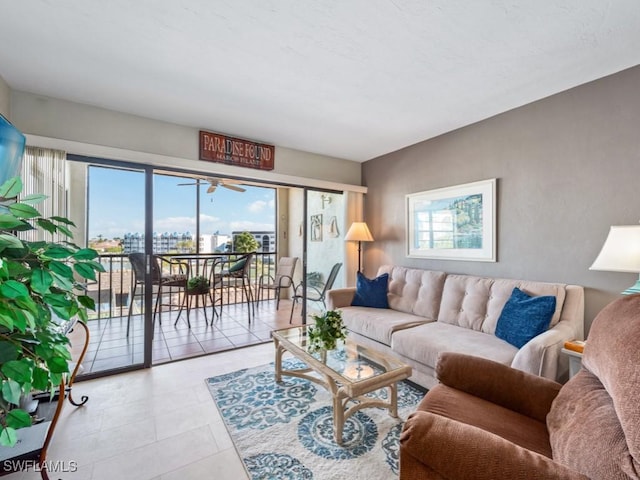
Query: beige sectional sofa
432	312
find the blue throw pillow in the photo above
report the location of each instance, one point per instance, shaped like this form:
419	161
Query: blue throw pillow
371	293
524	317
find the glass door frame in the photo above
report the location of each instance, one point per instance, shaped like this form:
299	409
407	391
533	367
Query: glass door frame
147	170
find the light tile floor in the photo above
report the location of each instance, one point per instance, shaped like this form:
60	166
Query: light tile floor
159	423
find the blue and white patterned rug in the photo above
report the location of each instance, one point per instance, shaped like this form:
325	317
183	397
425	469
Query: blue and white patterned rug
285	431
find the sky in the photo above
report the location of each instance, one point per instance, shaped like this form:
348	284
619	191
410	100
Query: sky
116	205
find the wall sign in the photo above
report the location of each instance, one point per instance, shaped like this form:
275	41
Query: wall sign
218	148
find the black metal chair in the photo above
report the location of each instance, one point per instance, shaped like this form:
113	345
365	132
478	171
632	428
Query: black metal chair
234	274
315	294
158	279
283	278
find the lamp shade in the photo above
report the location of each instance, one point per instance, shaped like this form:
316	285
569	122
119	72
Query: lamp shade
358	231
621	250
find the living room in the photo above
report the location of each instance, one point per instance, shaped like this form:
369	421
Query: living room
566	166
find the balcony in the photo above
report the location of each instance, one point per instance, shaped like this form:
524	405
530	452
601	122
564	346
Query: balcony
110	347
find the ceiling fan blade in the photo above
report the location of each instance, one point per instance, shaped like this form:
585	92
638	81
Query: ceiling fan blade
182	184
212	188
233	187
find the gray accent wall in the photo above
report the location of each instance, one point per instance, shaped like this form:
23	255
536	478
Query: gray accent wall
568	167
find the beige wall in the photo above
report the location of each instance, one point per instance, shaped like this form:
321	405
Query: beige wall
5	99
568	167
60	119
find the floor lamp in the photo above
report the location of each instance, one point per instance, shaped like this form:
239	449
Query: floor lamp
621	253
359	232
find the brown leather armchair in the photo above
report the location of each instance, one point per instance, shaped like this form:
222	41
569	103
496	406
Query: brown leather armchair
486	420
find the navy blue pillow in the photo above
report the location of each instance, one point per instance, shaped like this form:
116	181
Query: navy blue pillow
524	317
371	293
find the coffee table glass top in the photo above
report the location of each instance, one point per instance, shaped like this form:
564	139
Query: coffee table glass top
350	360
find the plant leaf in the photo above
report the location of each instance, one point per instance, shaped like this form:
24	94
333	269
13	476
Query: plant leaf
9	241
13	289
11	391
58	252
9	222
65	231
85	270
85	254
7	321
8	437
61	269
11	188
18	418
8	352
40	378
47	225
41	280
22	210
34	198
87	301
64	220
57	365
19	370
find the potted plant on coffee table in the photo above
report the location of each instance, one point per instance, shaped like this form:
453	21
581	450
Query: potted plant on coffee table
40	289
327	330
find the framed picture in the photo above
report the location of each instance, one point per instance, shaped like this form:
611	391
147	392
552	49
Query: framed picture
453	223
316	228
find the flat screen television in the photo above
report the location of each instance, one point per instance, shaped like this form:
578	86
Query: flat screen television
12	143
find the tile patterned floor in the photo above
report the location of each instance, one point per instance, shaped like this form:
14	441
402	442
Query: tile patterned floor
109	346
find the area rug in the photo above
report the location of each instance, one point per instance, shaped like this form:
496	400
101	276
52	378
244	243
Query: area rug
285	431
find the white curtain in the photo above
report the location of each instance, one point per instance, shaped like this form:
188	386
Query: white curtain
44	171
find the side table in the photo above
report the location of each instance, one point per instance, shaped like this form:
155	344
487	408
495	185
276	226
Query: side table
575	361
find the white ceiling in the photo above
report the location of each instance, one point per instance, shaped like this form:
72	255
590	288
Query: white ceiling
352	79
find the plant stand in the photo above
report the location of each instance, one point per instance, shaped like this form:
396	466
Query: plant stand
34	441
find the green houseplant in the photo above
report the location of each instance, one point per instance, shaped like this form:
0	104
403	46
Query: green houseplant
326	332
198	284
40	288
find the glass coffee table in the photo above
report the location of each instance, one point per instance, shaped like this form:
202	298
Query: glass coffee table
348	372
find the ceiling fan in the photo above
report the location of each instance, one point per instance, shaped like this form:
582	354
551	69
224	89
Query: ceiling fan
216	182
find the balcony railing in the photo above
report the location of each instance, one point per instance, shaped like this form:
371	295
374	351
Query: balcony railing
112	289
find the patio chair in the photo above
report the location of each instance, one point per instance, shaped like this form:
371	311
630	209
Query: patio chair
283	278
234	274
315	294
158	279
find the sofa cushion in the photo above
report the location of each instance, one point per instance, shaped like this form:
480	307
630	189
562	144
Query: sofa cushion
371	292
524	317
477	302
414	291
583	420
378	324
424	342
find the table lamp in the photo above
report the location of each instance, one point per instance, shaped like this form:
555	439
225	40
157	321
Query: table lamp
621	253
358	231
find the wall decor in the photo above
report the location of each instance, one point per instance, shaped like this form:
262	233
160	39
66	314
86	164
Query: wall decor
216	147
453	223
316	228
334	231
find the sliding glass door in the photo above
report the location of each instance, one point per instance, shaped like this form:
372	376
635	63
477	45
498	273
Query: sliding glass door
116	228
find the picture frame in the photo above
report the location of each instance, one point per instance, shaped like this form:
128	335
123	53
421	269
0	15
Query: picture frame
453	223
315	234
